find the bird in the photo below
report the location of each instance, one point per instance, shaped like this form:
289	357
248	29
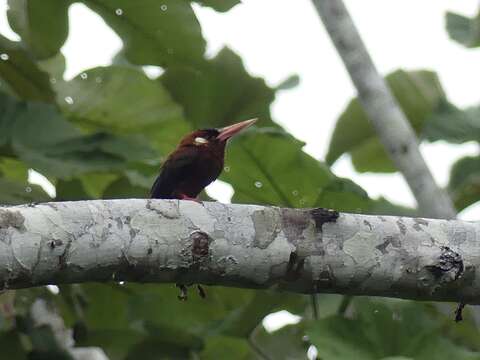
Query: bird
197	161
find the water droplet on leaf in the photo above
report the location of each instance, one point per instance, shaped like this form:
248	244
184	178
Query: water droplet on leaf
28	189
84	76
295	192
4	57
258	184
119	12
227	168
164	7
69	100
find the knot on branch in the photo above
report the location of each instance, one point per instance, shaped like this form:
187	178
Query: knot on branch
322	216
448	267
200	244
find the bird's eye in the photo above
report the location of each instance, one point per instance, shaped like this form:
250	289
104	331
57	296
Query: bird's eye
200	140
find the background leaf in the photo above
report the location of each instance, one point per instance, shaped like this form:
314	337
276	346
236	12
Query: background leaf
419	93
24	77
464	30
42	38
145	26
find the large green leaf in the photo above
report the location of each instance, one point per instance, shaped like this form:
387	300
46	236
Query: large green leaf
28	18
153	32
15	192
464	30
400	329
453	125
226	347
219	92
419	93
40	136
21	73
219	5
11	345
260	175
123	100
464	183
155	348
246	318
268	166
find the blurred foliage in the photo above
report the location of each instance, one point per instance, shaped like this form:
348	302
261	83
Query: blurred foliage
104	134
464	30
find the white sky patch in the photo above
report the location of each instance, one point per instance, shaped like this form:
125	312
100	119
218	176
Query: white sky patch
221	191
279	319
36	178
53	289
90	42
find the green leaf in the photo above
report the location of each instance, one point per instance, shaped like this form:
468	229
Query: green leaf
96	183
115	343
226	347
246	318
21	73
464	185
289	83
219	92
15	192
419	93
106	307
11	346
41	37
384	330
259	175
154	348
453	125
70	190
100	102
382	206
55	66
13	169
219	5
154	33
122	188
464	30
41	137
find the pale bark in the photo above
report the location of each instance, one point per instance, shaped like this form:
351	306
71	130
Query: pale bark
389	121
298	250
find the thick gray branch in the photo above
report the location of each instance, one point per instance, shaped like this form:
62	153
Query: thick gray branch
299	250
390	122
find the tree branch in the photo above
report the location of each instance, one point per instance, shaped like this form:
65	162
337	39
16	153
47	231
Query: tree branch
298	250
389	121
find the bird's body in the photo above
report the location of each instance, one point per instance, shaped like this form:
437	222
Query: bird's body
188	170
196	162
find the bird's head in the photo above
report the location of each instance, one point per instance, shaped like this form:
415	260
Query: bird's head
215	138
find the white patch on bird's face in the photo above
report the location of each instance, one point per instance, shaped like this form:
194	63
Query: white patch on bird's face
200	141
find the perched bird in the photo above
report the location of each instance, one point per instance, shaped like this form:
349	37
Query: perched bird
195	163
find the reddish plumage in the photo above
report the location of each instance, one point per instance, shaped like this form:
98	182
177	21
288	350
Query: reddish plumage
195	163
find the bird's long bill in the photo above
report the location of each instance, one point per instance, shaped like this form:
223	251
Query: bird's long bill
229	131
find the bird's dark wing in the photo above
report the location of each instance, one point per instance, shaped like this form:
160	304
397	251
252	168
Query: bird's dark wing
174	171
